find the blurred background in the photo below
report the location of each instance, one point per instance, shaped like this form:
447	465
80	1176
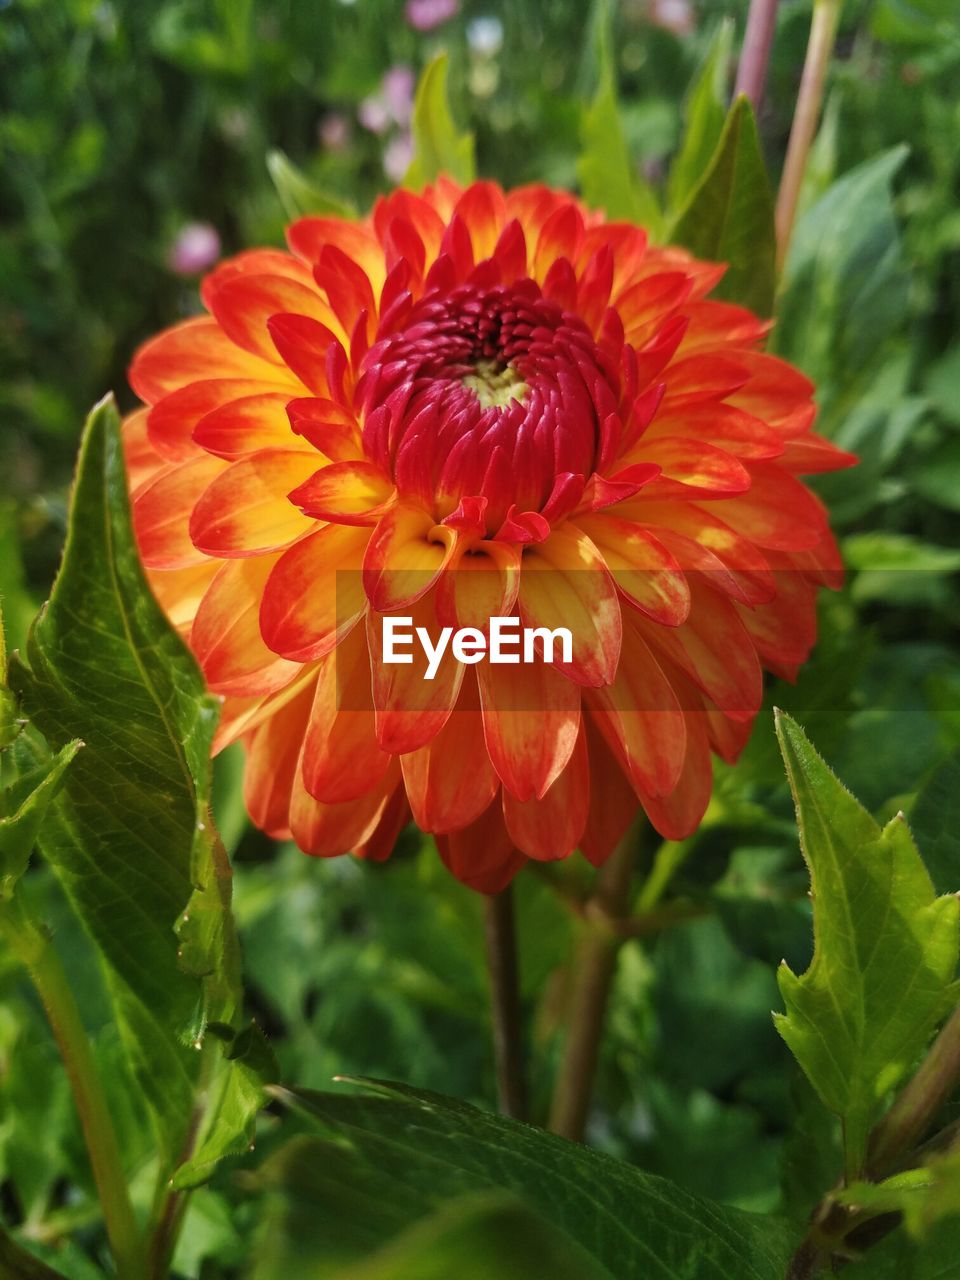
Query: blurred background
134	139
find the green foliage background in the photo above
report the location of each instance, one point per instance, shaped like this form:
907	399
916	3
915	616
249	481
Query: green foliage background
122	121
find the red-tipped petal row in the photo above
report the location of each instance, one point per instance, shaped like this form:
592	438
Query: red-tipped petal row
566	583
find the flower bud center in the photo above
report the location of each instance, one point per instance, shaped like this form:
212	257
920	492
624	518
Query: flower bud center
495	384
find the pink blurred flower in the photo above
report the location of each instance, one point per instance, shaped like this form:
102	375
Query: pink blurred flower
397	90
196	247
334	131
373	113
676	16
397	155
424	15
391	104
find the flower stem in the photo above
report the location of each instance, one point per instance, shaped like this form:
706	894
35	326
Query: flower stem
911	1115
594	968
823	34
501	939
35	951
755	55
836	1229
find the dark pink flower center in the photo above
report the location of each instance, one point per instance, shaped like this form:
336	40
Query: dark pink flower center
494	393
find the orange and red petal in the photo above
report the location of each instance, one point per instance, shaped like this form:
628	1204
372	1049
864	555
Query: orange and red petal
173	421
354	492
327	830
482	855
550	827
162	509
314	595
180	591
410	708
406	554
480	582
381	843
140	457
341	757
642	567
715	650
225	636
273	750
309	236
450	781
777	511
613	801
531	720
678	814
245	509
244	304
193	351
641	718
565	583
811	454
245	423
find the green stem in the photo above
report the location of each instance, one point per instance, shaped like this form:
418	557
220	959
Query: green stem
835	1230
916	1107
823	34
659	919
34	950
593	972
667	861
501	938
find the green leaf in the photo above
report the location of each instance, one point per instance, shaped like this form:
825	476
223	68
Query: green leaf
897	568
698	966
935	821
704	112
938	1194
898	1257
23	807
924	1195
390	1160
729	215
915	23
17	1264
885	948
299	196
608	176
15	603
937	476
484	1237
941	384
9	724
129	835
844	289
898	551
439	147
228	1127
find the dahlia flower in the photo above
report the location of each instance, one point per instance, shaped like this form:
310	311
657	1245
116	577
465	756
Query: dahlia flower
474	404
